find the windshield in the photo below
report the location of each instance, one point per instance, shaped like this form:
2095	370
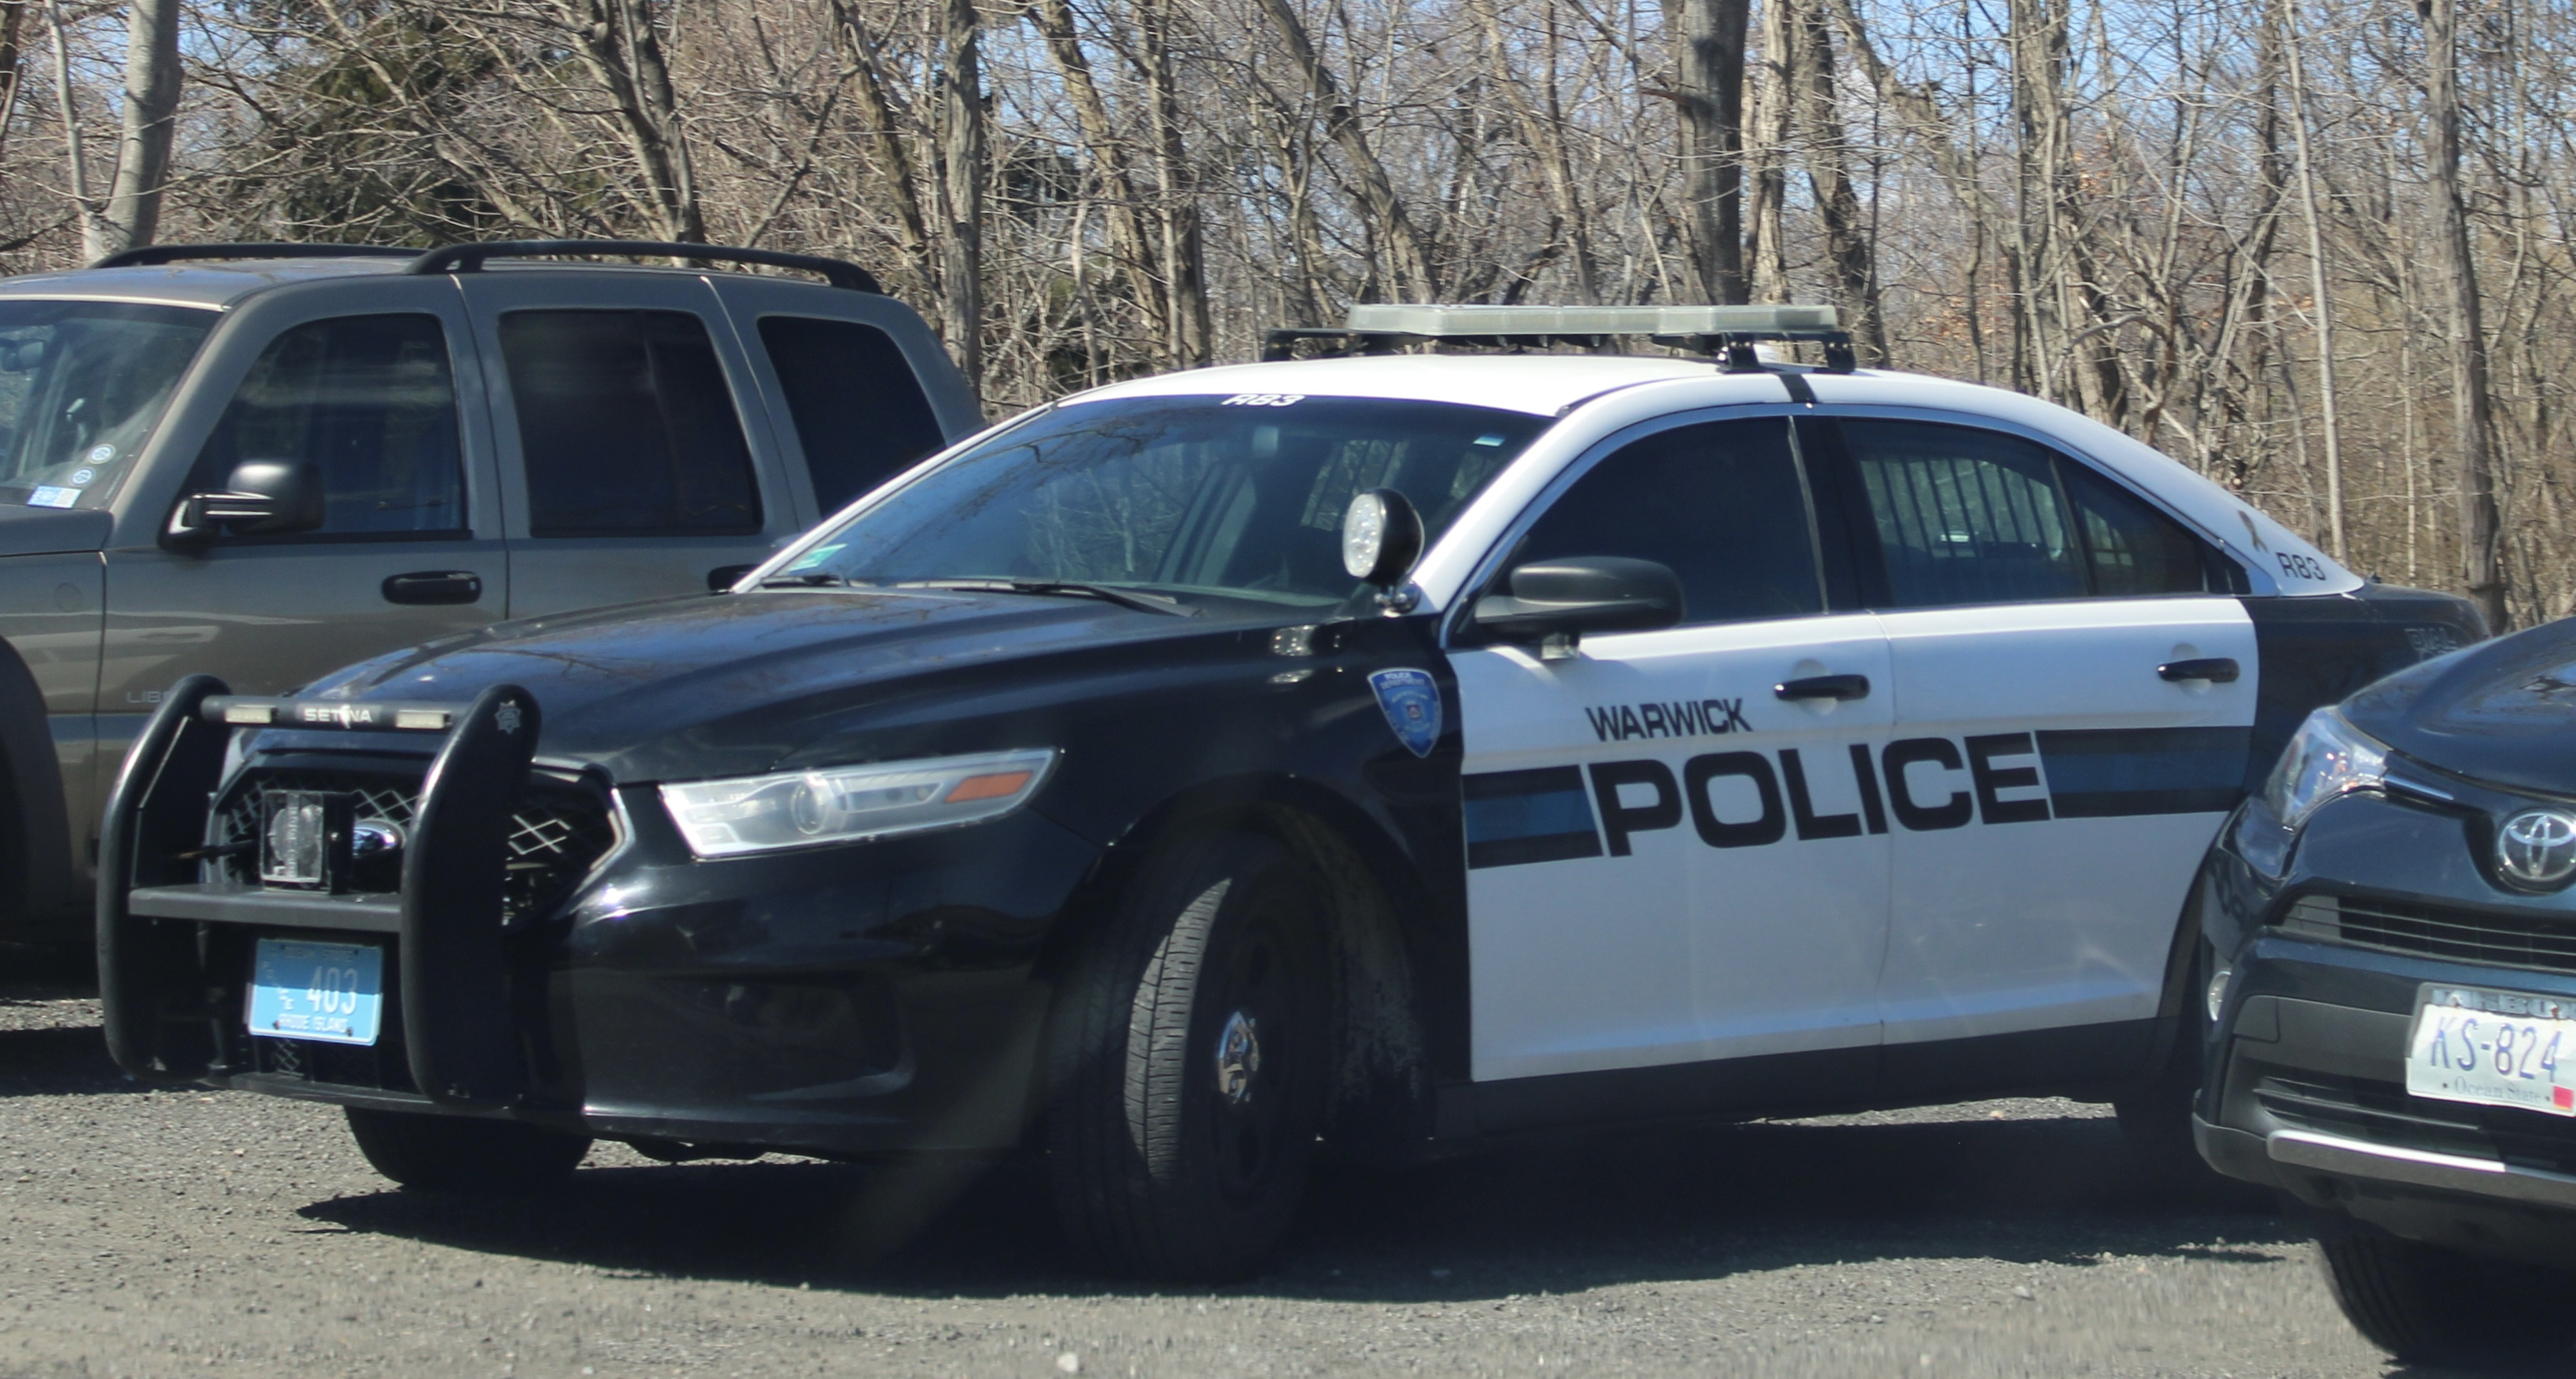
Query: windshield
82	384
1231	496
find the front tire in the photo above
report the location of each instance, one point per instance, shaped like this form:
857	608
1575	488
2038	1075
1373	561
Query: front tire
464	1154
2155	1119
1188	1061
2428	1305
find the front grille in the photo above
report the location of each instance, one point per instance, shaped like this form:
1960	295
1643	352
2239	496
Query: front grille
2538	940
557	833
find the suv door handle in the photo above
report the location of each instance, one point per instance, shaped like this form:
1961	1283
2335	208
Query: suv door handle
2218	670
1837	687
434	586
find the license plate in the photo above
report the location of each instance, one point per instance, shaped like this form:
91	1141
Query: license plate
2493	1048
333	992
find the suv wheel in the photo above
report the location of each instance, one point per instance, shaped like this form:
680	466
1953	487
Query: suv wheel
1188	1060
2155	1119
2428	1305
463	1154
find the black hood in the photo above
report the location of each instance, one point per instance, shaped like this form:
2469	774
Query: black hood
2503	712
711	685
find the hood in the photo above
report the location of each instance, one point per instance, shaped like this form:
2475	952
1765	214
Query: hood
701	685
51	531
2502	712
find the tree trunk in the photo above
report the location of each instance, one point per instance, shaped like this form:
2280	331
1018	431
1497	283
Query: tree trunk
1709	56
961	189
1409	264
624	52
133	212
2329	413
1846	238
912	224
2472	424
1544	132
1767	154
1187	330
1109	160
13	57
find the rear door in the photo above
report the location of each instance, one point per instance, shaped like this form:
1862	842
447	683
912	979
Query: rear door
636	453
2067	739
1668	862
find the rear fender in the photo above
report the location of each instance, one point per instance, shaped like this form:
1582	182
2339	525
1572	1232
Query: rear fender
36	873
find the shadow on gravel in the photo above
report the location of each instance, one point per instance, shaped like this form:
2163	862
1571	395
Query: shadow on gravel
1575	1213
65	1061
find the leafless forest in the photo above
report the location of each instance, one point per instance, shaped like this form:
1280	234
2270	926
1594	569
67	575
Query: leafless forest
2315	248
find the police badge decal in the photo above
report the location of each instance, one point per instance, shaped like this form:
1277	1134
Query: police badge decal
1411	702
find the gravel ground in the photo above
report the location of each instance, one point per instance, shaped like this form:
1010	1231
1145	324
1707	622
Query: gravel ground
202	1233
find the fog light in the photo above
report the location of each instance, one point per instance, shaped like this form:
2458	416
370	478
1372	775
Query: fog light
2218	992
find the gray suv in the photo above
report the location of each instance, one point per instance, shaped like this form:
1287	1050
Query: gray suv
266	461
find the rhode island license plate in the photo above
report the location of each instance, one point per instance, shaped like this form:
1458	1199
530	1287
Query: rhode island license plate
333	992
2494	1048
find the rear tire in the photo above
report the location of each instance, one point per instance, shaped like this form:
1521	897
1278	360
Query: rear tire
464	1154
2428	1305
2156	1118
1187	1060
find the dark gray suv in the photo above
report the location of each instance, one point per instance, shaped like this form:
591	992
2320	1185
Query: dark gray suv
265	461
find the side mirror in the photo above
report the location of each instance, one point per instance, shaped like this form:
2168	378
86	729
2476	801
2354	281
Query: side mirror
1381	538
1553	602
261	498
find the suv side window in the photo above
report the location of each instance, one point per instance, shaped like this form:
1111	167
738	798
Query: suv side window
860	414
626	425
370	401
1965	516
1722	503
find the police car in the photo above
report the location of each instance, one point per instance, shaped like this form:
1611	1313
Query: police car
1376	753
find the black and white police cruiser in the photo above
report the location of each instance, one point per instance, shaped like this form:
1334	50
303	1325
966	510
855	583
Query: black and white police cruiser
1371	753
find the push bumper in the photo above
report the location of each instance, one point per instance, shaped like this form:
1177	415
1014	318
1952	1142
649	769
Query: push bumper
841	1001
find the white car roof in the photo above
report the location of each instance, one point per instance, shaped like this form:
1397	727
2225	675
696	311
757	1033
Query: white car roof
1600	394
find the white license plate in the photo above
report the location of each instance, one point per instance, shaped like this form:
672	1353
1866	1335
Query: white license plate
2493	1048
334	992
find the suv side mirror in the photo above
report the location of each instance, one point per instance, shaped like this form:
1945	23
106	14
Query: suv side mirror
1553	602
261	498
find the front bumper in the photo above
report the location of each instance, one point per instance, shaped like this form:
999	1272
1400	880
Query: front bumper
842	1001
2305	1090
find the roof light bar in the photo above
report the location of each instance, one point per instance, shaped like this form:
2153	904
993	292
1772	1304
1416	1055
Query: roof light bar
1436	322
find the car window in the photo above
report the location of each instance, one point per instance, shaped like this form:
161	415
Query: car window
1240	496
370	402
82	384
626	425
1720	503
1964	515
2134	549
860	414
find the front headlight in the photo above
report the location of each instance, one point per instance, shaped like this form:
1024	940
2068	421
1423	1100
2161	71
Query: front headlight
2328	757
722	818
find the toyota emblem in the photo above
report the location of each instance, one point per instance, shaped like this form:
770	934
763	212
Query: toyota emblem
2537	847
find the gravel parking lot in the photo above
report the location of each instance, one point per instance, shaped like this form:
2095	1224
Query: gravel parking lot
159	1232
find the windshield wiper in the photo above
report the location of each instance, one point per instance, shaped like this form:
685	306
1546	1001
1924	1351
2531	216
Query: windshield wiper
811	579
1107	593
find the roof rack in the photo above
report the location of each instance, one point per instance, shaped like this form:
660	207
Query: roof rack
1727	331
154	255
468	258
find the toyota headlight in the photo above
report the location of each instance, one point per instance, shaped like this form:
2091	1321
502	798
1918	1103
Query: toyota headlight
723	818
2329	757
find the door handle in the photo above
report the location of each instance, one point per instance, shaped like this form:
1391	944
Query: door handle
434	586
2218	670
1836	687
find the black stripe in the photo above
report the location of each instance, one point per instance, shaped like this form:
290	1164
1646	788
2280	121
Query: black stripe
1517	817
1546	847
2105	773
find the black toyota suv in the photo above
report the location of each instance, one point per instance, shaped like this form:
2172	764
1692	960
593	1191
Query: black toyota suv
2395	1036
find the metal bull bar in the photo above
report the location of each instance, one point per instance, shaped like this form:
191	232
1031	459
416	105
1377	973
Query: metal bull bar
462	1043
